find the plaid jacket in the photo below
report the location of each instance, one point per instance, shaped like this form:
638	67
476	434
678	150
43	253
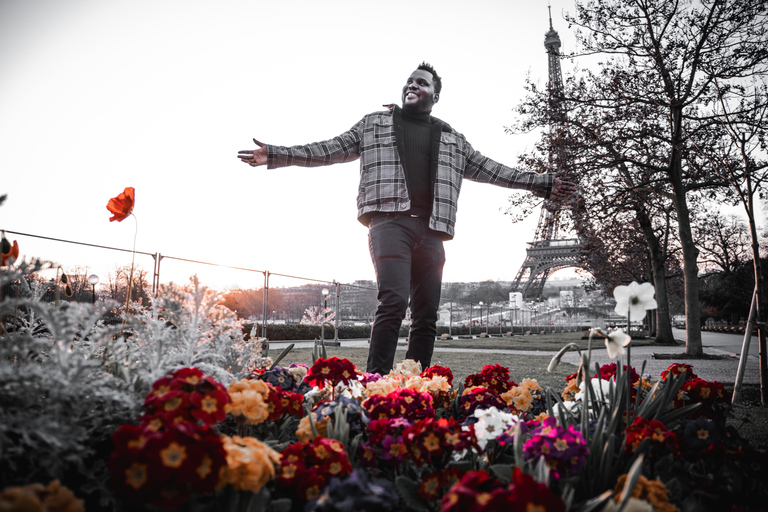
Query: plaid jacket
383	187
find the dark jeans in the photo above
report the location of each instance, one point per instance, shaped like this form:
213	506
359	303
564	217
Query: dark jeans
408	258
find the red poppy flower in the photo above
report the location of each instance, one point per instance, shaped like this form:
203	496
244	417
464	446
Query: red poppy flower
122	205
10	253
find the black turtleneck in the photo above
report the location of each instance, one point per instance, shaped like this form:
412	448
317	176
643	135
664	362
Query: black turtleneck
418	175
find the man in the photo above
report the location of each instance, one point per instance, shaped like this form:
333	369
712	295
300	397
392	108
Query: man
411	169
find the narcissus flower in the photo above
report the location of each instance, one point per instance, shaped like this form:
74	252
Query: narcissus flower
635	299
121	206
616	341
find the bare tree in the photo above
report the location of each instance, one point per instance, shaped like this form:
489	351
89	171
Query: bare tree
666	61
723	240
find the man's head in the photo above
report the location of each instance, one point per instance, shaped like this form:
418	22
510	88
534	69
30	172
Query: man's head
422	89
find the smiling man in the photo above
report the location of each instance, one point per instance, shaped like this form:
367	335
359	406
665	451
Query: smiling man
411	169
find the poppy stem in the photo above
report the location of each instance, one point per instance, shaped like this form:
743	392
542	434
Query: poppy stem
133	258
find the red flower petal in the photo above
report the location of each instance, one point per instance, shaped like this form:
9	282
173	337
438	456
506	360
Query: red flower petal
122	205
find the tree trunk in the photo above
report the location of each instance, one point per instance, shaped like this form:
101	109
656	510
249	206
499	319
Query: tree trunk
693	346
664	334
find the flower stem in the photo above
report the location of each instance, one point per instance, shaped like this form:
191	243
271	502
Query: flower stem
133	258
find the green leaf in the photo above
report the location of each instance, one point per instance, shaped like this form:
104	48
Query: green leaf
629	485
339	428
596	502
408	490
284	353
502	471
281	505
256	502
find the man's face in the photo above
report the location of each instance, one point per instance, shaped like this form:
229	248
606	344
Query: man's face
419	92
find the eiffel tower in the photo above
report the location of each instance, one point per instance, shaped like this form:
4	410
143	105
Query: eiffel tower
548	253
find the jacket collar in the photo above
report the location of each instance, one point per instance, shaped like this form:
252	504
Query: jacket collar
444	126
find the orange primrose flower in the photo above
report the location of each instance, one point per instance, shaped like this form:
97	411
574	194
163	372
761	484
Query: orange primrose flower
122	205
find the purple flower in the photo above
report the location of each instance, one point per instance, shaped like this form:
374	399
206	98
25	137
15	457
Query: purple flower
700	433
280	378
357	417
564	450
365	378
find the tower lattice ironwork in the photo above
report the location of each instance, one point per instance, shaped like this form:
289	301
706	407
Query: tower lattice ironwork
548	252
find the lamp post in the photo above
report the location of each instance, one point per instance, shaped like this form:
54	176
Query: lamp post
325	307
93	279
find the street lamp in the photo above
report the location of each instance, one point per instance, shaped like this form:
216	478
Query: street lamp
325	308
93	279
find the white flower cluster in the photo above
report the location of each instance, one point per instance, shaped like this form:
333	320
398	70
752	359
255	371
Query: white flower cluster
491	423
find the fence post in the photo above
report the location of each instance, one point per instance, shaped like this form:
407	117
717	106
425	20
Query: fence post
156	273
470	319
265	303
338	314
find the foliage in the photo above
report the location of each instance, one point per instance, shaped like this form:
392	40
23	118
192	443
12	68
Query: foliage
316	315
58	401
68	379
727	295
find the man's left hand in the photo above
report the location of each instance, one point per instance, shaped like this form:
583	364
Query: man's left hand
562	189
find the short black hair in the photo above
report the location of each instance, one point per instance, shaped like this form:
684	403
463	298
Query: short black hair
438	82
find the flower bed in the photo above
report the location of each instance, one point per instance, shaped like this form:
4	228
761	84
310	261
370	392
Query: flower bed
173	409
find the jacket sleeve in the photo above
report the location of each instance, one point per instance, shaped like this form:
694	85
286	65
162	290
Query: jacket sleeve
343	148
482	169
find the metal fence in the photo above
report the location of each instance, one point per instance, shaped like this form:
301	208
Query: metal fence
356	302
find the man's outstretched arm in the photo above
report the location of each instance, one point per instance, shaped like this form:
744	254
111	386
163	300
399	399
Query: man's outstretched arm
254	157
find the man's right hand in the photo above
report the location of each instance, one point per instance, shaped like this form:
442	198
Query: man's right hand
254	157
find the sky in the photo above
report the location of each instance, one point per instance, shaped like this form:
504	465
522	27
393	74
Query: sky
96	96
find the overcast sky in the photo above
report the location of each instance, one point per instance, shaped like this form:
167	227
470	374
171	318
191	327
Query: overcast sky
160	95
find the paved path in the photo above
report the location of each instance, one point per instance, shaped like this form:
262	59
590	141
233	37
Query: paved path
721	370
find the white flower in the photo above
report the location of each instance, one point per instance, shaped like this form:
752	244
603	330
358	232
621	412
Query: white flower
615	343
566	405
602	389
491	424
635	298
354	390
